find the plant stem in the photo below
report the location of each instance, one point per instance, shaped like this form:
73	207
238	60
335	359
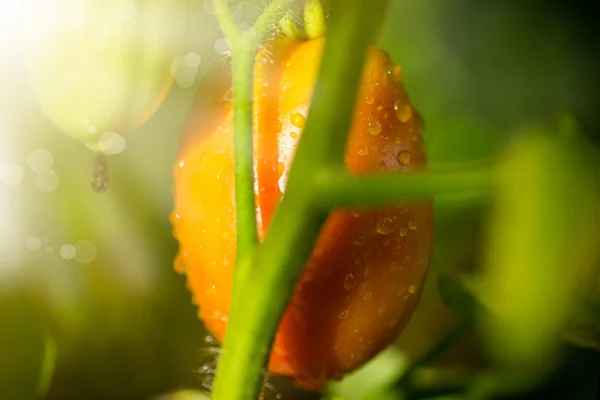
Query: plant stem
269	18
339	189
243	69
243	52
278	262
226	21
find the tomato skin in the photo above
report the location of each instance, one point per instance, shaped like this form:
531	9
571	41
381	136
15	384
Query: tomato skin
362	282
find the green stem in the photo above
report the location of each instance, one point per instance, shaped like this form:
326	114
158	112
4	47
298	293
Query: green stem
243	52
243	69
339	189
269	18
226	21
278	262
314	19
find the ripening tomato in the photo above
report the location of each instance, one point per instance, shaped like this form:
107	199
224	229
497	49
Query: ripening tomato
363	280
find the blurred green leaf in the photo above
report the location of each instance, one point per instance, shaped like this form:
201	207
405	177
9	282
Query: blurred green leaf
542	244
185	394
584	327
48	366
381	372
457	297
27	354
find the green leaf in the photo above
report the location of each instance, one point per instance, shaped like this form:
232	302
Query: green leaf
379	373
457	297
28	355
542	243
584	328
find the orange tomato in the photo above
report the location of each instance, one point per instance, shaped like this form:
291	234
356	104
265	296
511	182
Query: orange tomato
361	284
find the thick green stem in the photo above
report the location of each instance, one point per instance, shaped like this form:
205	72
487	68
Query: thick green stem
278	262
339	189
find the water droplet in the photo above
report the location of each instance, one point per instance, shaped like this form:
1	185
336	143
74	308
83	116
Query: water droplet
363	151
33	243
344	314
382	309
40	160
404	111
293	135
404	157
398	140
412	225
67	251
403	232
370	100
349	282
374	126
100	177
298	120
412	289
359	240
368	295
385	224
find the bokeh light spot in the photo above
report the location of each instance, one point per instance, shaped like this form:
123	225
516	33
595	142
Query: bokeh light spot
111	143
40	160
68	251
47	182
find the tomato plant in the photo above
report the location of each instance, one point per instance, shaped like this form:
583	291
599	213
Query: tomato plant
364	277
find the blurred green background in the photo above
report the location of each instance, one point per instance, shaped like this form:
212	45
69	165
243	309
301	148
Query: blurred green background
88	277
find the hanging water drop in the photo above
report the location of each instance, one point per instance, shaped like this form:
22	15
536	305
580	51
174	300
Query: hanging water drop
100	178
